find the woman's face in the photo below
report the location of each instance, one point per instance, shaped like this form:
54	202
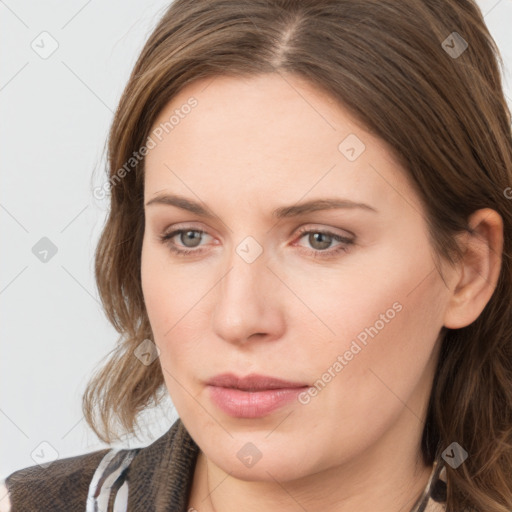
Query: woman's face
342	300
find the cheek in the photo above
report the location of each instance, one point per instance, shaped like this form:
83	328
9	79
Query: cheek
164	303
173	303
389	343
160	290
386	321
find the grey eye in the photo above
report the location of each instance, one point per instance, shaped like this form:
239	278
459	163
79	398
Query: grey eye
190	238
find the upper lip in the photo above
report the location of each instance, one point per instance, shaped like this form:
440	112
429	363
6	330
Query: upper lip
252	382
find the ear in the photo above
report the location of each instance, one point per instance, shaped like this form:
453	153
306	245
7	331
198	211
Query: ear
478	270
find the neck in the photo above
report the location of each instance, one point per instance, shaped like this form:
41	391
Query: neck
384	480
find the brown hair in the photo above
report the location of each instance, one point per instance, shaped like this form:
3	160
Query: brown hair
393	65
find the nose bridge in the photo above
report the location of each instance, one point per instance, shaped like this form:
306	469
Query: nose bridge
239	289
245	303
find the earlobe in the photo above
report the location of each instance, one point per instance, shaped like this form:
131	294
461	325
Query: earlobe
479	269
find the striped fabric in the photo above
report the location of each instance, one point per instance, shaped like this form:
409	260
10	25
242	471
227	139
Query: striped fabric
109	483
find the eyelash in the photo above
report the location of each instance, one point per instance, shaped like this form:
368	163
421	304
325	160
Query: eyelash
343	247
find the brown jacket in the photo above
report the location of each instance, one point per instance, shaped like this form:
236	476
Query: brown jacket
156	478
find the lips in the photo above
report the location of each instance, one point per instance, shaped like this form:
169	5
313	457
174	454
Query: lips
253	382
253	396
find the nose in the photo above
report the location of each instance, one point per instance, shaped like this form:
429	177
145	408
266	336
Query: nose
248	305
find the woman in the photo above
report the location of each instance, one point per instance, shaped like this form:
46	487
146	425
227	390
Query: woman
308	248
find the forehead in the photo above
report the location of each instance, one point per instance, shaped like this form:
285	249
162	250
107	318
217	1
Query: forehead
269	136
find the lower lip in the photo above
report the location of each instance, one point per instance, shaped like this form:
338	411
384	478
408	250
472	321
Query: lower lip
252	404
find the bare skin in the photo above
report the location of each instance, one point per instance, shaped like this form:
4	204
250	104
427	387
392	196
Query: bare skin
249	146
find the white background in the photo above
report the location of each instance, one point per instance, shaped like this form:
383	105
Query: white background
55	115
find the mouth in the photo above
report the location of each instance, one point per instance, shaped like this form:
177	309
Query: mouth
252	396
253	382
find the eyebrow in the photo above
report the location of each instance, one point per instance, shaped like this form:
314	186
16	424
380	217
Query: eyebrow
279	213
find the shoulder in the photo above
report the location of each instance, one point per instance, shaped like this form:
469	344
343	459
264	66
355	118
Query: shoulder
50	486
106	477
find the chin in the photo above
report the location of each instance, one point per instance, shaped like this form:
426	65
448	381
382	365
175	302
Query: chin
273	469
260	460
